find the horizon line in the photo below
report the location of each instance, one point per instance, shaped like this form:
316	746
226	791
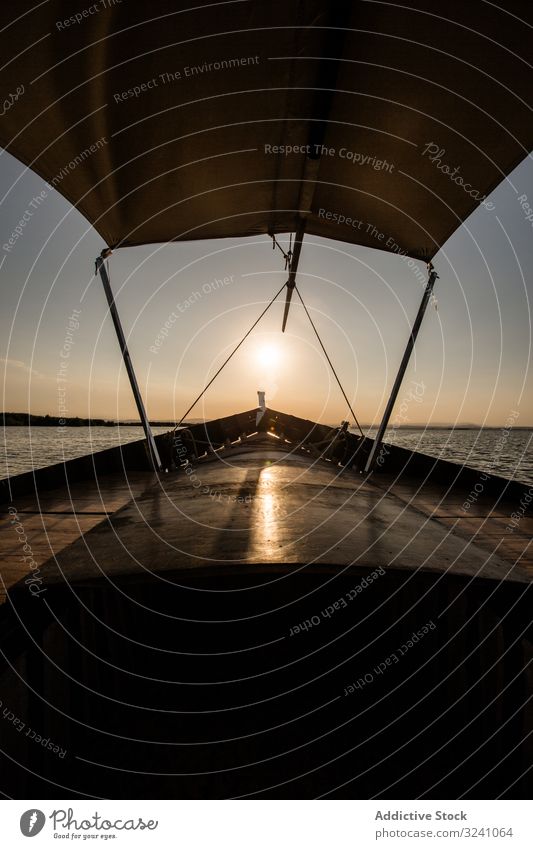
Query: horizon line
161	422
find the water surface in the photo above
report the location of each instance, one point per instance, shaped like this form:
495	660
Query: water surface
488	449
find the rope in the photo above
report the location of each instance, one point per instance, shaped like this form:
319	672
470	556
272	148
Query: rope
226	361
328	359
288	257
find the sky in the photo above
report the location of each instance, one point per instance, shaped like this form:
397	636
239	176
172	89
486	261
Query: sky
59	353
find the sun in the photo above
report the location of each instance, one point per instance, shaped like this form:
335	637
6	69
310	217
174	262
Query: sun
268	356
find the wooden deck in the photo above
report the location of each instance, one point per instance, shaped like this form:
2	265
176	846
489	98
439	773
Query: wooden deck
485	524
265	508
168	656
52	521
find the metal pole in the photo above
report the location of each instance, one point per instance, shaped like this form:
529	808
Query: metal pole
401	371
101	268
291	282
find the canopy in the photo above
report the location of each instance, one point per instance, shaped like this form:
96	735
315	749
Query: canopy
376	123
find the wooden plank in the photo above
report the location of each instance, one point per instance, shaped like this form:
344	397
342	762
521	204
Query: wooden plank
294	511
53	521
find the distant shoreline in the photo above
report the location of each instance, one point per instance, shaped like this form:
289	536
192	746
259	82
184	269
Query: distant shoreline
30	420
27	420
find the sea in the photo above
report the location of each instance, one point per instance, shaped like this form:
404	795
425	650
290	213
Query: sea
508	453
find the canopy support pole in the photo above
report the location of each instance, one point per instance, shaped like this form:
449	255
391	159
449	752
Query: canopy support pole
152	447
291	282
401	371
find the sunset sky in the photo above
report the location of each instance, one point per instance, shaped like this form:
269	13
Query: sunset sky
472	357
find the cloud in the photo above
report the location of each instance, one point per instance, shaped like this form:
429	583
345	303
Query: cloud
19	364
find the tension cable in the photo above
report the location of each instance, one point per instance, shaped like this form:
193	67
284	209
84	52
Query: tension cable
328	359
226	361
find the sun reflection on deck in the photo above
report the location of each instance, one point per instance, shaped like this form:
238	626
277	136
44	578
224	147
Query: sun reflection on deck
268	512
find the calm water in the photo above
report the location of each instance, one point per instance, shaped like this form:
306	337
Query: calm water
26	448
490	450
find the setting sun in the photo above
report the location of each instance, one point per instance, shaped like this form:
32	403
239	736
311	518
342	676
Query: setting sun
269	356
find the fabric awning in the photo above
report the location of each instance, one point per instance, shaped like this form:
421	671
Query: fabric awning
382	124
